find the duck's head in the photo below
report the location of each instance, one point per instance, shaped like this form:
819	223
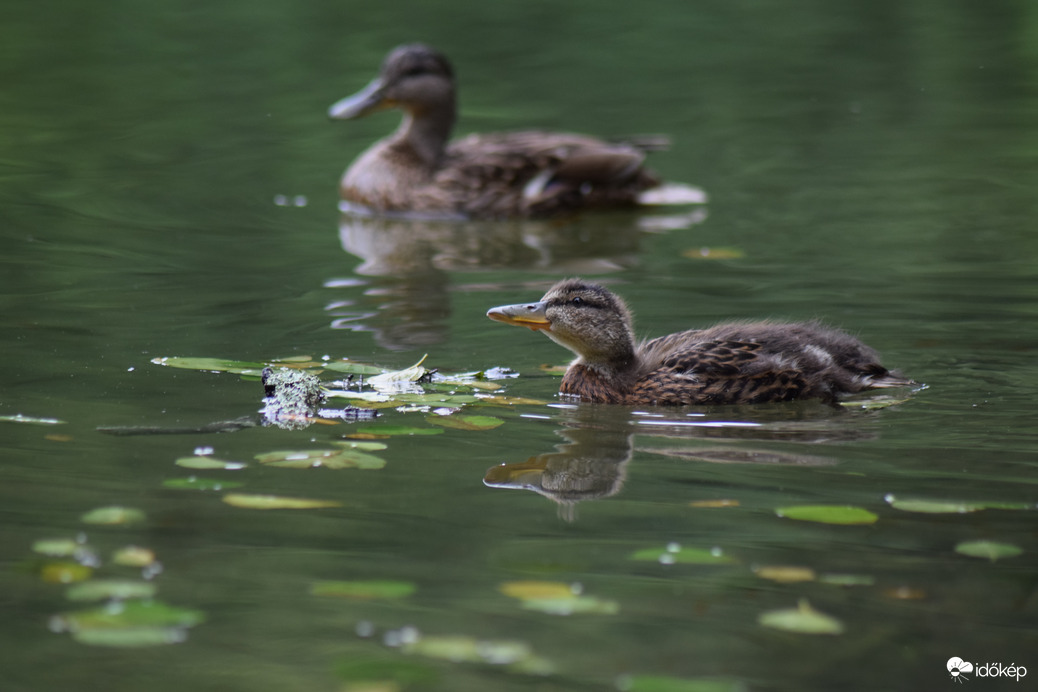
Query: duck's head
585	318
414	78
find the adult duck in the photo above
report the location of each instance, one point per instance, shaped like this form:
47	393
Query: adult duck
735	363
416	172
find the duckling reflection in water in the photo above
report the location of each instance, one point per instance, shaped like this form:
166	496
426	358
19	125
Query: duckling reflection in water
416	172
734	363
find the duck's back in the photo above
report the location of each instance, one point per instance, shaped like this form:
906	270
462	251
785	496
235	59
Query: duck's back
757	363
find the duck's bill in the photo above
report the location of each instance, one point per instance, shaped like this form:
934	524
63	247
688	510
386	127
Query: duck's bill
529	315
368	100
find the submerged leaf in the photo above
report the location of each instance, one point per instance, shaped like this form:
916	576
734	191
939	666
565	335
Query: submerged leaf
128	615
130	637
537	589
803	620
675	554
828	514
113	515
714	253
847	579
246	501
466	422
364	590
57	547
991	550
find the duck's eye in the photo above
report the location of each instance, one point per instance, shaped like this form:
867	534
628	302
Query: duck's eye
577	301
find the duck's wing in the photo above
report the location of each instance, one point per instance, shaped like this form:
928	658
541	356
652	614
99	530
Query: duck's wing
542	172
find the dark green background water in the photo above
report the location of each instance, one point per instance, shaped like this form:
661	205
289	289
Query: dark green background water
874	163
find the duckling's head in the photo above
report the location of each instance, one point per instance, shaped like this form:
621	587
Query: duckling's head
585	318
414	77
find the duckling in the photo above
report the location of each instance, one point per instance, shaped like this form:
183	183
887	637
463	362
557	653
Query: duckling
417	172
733	363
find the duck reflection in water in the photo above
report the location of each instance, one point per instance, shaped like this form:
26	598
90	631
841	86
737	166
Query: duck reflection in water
407	301
600	444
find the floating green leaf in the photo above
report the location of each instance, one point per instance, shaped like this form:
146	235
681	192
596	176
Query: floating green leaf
397	430
662	683
129	624
64	572
803	620
239	367
199	484
436	399
847	579
675	554
116	589
364	590
19	418
828	514
133	556
470	649
557	598
459	422
113	515
351	368
57	547
327	458
949	506
361	445
246	501
206	462
991	550
130	637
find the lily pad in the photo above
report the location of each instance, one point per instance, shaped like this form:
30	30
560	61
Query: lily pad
557	598
785	574
129	614
361	445
351	368
395	431
246	501
828	514
130	637
436	399
364	590
19	418
57	547
65	572
134	556
803	620
675	554
466	422
847	579
537	589
206	462
991	550
239	367
948	506
115	589
327	458
194	483
113	515
663	683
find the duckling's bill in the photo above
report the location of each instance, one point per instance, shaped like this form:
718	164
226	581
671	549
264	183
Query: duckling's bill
529	315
